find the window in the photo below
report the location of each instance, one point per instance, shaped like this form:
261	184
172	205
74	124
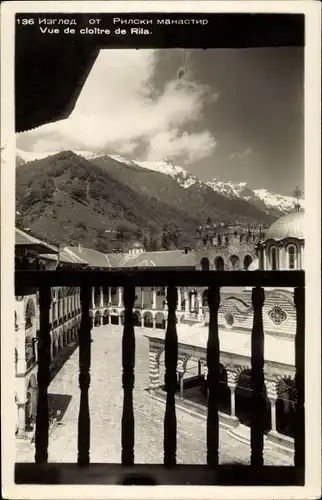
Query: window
234	259
273	258
247	262
291	252
229	320
204	264
219	264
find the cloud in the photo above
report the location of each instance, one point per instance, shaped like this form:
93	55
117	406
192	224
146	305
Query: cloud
244	153
117	113
193	146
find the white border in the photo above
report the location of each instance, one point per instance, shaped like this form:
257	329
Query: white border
312	11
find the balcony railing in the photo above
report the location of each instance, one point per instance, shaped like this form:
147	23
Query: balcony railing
169	472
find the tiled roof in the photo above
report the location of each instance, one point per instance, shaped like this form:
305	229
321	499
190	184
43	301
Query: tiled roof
25	239
171	258
72	257
119	259
65	257
92	257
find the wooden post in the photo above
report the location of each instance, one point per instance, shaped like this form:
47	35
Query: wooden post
43	378
128	363
299	437
171	360
84	377
213	377
257	377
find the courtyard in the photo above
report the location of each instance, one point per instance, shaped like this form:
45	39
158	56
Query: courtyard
106	399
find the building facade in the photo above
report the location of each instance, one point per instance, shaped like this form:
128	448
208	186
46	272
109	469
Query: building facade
224	247
227	246
64	317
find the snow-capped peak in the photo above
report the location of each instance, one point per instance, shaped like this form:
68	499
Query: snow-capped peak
263	199
167	167
229	188
123	160
88	155
260	197
283	203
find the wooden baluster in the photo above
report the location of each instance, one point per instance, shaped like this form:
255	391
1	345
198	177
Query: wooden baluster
43	377
299	435
84	377
128	363
170	379
213	377
257	378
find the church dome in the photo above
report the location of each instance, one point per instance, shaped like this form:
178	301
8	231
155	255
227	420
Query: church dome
288	226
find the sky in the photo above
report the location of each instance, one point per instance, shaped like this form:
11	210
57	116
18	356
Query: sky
233	114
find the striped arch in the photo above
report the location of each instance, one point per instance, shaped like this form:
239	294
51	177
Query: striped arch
241	368
288	296
158	353
184	360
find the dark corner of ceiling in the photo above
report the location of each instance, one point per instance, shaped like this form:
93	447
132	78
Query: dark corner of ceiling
48	78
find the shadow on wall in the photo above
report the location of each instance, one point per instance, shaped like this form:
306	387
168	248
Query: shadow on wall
61	359
57	405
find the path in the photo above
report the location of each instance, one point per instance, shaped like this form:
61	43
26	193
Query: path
105	399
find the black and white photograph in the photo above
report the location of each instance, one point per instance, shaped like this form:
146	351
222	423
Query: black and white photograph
160	249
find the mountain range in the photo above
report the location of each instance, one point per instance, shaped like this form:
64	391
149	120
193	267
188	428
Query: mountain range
87	197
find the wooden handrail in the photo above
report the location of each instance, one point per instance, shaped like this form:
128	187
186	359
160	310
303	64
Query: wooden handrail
159	277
